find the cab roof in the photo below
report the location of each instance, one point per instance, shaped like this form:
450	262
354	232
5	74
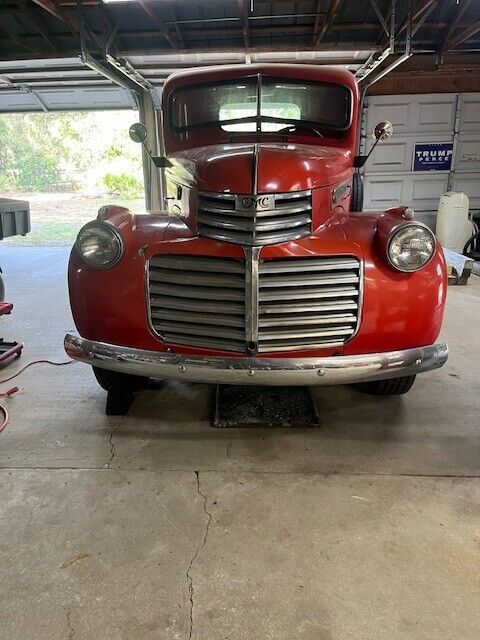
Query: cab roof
309	72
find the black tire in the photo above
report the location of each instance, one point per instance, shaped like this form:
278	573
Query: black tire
391	387
114	381
357	192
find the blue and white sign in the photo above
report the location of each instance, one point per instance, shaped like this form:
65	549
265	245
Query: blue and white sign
432	156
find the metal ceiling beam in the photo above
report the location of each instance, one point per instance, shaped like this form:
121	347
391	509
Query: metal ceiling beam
329	18
393	65
111	73
372	63
35	71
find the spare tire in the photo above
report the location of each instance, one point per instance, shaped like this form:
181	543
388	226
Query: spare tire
357	192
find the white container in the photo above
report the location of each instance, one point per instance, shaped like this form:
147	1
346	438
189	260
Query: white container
453	227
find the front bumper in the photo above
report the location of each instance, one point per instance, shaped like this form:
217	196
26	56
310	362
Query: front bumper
259	371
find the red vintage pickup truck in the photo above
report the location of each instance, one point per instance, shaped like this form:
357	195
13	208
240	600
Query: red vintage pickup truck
263	270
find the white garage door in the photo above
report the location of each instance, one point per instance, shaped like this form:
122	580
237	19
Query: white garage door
452	121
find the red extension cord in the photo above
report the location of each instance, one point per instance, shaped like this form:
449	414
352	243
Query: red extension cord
13	390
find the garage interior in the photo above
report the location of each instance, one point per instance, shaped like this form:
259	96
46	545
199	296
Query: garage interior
155	524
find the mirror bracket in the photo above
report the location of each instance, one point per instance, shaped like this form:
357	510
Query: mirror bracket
359	161
161	162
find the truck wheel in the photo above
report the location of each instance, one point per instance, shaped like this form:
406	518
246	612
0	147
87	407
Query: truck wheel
122	382
357	192
392	387
121	388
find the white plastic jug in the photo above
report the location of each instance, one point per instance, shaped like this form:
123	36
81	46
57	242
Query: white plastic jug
453	227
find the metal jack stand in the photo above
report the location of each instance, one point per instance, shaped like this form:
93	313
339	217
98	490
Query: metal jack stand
8	350
14	221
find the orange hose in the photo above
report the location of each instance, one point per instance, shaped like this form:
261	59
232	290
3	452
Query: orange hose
13	390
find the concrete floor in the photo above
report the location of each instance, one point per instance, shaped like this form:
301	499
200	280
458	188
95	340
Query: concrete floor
157	526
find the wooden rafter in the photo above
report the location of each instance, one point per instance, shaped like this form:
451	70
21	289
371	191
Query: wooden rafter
459	12
464	35
329	18
317	20
51	8
162	29
4	33
243	17
178	31
39	22
417	12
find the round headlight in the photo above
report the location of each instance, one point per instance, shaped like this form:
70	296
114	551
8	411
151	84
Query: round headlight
99	244
411	247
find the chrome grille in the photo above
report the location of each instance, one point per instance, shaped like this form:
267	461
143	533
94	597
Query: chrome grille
302	303
198	301
273	217
310	303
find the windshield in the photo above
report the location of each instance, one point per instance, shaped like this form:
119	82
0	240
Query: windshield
259	103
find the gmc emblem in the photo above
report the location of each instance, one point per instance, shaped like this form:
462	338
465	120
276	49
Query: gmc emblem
254	203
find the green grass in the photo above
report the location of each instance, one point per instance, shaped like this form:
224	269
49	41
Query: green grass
47	234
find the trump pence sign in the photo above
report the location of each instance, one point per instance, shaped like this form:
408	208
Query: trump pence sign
432	156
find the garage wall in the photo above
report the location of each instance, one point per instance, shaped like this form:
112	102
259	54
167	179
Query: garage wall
388	175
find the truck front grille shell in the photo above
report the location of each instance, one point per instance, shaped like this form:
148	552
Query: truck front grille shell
255	220
254	306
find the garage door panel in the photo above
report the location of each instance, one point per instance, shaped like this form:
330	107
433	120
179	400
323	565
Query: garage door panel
469	183
413	113
427	190
428	118
64	99
468	153
11	101
470	113
98	98
379	190
388	157
397	114
396	153
419	191
436	115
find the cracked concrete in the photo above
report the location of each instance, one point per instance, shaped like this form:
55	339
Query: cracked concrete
70	629
197	551
157	526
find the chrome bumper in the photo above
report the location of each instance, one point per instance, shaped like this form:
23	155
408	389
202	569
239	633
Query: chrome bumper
266	371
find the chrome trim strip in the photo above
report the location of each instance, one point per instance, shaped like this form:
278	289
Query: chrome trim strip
252	256
255	170
248	371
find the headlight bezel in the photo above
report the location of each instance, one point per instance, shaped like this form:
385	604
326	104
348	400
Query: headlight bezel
103	225
399	229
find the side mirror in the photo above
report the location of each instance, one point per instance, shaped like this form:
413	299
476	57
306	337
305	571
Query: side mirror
383	130
138	132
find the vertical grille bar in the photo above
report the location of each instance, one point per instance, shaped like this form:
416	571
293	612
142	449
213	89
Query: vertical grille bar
251	297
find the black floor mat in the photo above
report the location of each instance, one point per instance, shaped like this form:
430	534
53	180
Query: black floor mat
240	406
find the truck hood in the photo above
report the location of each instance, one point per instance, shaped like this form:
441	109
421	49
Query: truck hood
272	167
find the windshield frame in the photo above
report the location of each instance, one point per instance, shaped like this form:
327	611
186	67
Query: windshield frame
258	118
